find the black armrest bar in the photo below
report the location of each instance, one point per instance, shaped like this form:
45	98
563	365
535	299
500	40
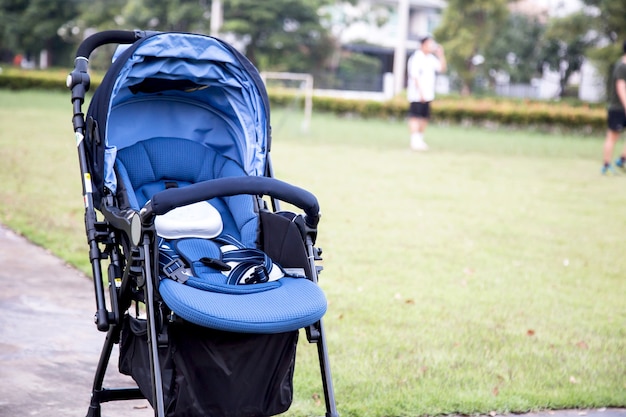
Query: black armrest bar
171	198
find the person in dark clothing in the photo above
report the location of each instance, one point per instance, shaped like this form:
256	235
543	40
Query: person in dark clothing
616	114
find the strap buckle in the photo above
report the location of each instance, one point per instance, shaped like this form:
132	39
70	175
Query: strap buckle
176	270
259	275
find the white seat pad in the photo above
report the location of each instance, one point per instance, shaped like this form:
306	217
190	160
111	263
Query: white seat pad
200	220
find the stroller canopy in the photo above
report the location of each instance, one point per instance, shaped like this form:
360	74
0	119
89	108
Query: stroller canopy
179	85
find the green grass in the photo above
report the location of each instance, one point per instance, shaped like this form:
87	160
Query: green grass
41	195
485	275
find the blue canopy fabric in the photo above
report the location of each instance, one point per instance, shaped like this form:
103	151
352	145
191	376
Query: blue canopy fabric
189	86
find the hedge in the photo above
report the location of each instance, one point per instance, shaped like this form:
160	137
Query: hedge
570	116
581	117
13	79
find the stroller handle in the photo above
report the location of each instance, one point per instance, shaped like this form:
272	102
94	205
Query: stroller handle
78	80
166	200
108	36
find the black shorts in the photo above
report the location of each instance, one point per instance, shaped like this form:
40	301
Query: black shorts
616	120
420	109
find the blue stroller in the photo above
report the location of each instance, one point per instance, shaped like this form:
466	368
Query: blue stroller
207	281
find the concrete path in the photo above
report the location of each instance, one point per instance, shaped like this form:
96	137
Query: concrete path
49	346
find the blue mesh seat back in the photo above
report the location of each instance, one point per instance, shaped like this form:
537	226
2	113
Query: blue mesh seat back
147	167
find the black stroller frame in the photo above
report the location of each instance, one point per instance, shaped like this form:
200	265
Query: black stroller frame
126	239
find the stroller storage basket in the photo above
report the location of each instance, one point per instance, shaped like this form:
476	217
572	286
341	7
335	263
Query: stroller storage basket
213	373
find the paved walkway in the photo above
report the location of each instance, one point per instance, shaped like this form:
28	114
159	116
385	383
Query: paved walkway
49	346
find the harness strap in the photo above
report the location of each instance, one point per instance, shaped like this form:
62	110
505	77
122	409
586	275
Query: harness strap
246	259
241	265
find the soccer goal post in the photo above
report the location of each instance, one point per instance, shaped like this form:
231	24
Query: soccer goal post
304	84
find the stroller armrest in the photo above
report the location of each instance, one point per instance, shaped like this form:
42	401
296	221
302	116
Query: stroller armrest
166	200
125	220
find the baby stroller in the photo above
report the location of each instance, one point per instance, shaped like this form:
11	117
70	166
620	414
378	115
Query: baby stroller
208	280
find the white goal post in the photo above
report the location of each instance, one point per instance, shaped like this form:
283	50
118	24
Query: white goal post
306	85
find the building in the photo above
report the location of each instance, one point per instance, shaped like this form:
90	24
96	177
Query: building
388	30
377	22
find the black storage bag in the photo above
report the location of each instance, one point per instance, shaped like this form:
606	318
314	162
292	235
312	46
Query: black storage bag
281	236
207	372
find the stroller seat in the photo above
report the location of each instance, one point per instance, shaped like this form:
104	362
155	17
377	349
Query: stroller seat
206	299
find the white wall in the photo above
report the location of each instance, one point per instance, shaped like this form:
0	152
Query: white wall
592	84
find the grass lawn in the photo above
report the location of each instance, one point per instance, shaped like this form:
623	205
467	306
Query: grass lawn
484	275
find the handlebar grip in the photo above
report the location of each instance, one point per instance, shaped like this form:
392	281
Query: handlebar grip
105	37
78	81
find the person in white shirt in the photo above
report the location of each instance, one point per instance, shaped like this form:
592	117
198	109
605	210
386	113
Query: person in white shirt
423	67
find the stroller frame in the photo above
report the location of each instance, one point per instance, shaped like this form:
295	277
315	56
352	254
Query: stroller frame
127	238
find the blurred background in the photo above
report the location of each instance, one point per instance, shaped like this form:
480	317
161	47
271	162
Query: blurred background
535	49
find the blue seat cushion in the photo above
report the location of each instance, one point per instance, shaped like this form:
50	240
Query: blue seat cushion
293	304
206	299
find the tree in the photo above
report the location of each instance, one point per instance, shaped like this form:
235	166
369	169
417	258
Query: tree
337	17
166	15
10	23
99	15
467	29
30	26
162	15
515	49
610	21
282	35
564	45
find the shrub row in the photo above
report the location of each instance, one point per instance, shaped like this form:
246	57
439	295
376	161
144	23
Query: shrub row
54	80
493	111
23	82
523	113
517	113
